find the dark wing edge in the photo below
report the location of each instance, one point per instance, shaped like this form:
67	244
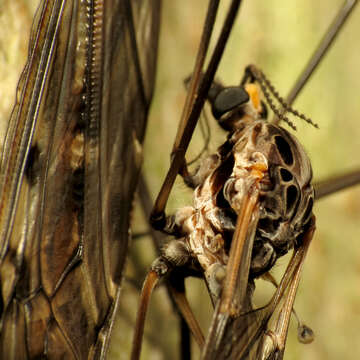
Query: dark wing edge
128	77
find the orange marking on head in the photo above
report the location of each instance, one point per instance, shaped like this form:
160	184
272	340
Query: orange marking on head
254	93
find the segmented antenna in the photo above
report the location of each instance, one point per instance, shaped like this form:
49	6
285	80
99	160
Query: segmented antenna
266	85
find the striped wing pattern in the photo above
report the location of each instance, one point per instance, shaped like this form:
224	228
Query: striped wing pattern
69	168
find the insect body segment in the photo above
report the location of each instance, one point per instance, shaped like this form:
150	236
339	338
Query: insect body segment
206	228
252	202
255	151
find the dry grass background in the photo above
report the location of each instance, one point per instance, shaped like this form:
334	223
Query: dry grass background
278	36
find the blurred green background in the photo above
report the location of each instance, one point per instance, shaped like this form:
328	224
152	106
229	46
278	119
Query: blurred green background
279	37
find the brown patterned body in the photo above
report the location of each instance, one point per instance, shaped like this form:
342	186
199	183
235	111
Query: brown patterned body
262	151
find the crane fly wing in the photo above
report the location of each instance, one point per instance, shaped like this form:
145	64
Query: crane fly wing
70	162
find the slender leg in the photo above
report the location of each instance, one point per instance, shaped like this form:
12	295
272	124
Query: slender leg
178	293
305	333
273	341
195	107
336	183
185	343
149	285
161	267
322	49
174	254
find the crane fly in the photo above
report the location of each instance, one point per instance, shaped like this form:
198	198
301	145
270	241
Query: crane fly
261	49
64	212
213	343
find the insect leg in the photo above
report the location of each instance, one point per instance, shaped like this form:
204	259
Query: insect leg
178	294
150	282
305	333
191	116
326	42
175	255
273	341
175	286
247	335
336	183
180	145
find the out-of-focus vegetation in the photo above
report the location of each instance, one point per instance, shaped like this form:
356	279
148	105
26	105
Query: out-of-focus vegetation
279	37
15	22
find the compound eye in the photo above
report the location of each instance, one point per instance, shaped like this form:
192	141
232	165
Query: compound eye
228	99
